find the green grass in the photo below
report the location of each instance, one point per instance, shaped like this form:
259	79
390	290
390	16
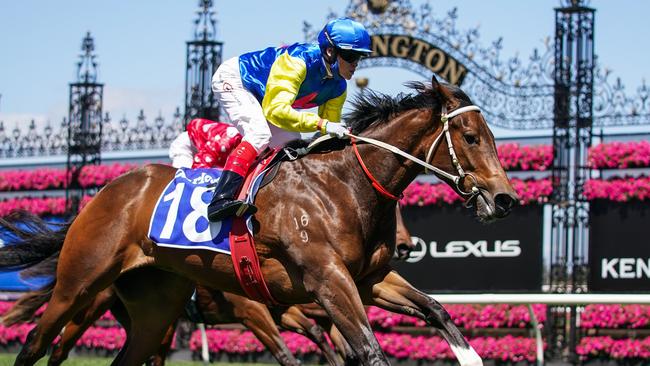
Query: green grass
8	359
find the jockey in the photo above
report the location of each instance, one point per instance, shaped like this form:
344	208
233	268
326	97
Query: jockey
270	85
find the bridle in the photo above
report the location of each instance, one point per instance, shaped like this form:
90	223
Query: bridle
457	179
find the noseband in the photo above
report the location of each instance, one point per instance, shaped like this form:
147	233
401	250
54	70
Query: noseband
444	118
457	179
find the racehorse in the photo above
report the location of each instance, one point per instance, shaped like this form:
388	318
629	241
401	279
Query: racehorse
212	307
342	198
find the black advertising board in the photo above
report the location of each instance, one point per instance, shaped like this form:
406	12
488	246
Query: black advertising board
456	253
619	246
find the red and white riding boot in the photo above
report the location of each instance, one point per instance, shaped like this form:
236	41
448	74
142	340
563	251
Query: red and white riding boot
224	203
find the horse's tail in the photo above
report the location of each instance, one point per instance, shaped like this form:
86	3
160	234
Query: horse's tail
27	305
34	241
36	249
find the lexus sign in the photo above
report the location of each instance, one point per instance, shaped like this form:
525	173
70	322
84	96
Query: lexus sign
455	252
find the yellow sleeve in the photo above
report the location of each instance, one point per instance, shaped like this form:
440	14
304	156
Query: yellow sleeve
282	86
331	110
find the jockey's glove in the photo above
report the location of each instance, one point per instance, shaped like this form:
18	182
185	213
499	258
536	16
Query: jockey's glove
336	129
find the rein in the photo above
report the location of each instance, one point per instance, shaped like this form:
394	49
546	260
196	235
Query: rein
457	179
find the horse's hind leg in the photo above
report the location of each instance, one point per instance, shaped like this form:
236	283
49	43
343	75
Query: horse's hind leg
294	319
256	317
66	301
343	347
79	324
154	299
158	359
394	293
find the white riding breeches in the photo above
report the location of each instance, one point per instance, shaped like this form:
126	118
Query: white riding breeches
244	111
182	151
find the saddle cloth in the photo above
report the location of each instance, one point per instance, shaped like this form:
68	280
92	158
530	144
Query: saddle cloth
180	219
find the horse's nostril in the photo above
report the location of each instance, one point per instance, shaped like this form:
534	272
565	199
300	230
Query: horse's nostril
504	202
403	250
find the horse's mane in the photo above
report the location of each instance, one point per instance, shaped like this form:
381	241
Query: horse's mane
372	107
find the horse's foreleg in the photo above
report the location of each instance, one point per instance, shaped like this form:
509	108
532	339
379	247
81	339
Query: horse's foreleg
258	319
395	294
154	299
80	322
336	292
294	319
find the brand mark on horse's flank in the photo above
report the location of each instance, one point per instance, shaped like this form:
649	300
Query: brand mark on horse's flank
304	221
466	248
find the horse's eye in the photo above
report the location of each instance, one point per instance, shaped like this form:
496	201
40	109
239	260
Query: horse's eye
470	139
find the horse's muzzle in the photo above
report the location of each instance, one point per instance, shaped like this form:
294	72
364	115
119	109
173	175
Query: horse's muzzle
503	204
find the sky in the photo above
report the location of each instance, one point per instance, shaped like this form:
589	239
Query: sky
141	45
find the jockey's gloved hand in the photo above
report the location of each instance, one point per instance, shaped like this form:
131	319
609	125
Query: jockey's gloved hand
336	129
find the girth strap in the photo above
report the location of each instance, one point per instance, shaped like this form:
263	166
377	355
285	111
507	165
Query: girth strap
247	264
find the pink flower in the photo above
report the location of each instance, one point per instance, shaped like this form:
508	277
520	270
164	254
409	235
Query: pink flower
619	155
516	157
425	194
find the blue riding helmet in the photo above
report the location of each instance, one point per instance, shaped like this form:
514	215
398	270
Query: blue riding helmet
345	34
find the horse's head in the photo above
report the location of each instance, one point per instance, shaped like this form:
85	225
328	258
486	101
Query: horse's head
442	128
463	147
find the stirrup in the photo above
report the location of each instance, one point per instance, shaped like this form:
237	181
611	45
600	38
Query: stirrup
246	209
231	208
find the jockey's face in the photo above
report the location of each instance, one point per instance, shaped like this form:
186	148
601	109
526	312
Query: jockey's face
346	69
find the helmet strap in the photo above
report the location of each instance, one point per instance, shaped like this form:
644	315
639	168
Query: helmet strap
330	59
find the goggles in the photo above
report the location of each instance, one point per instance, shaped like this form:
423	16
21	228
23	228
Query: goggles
349	55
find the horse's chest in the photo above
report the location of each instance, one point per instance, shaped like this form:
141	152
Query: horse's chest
376	259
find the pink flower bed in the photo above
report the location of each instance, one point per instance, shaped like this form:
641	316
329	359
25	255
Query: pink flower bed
15	333
103	338
618	189
615	316
5	306
516	157
424	194
620	155
466	316
607	347
17	180
50	178
38	206
242	342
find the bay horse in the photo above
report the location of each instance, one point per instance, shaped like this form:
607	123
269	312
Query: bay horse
342	265
213	307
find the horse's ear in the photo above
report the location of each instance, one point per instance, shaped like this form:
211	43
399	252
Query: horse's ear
444	95
434	82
